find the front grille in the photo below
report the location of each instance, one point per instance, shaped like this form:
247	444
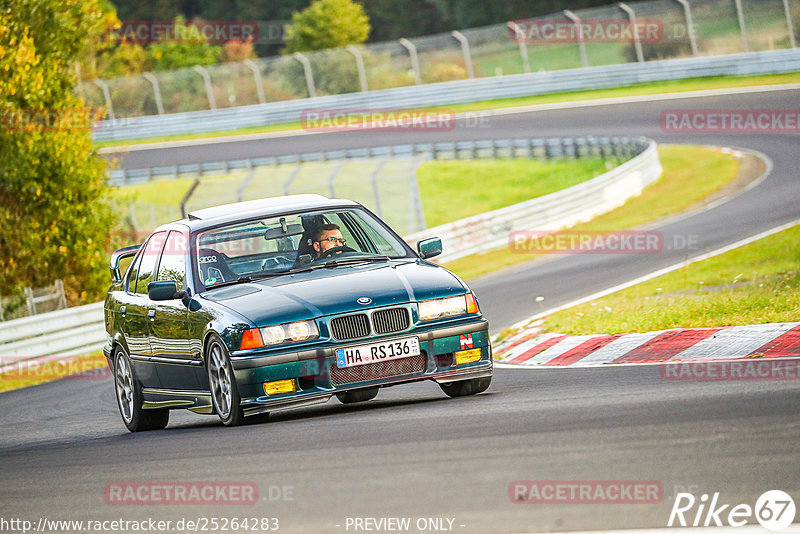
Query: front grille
391	320
350	326
378	370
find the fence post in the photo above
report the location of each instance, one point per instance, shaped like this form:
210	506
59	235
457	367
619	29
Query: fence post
312	90
107	96
461	38
362	75
373	178
632	17
581	44
202	71
156	91
332	178
30	301
789	23
415	200
188	195
249	63
412	54
687	12
62	297
523	48
740	16
288	184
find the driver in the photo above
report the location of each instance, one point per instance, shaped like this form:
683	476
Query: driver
325	237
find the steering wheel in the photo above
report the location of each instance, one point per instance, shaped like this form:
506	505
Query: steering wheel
335	250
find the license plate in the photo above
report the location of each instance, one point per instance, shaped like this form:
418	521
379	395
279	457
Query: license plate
377	352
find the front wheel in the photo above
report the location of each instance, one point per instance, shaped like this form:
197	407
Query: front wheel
130	399
462	388
224	393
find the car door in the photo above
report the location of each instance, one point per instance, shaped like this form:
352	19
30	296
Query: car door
135	311
169	333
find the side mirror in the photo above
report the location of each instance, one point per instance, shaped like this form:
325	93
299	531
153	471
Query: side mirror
428	248
163	290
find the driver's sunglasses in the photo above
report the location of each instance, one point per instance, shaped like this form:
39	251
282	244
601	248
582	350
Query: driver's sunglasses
341	240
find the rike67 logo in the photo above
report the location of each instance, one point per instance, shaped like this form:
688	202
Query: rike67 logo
774	510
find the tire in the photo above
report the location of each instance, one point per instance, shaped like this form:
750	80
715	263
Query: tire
358	395
224	393
462	388
130	399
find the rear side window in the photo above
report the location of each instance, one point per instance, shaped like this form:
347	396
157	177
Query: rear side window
173	259
147	266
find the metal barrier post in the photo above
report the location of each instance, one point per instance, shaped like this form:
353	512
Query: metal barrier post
362	75
789	24
262	99
212	104
632	17
332	178
523	48
412	54
107	95
373	178
312	91
740	16
687	12
461	38
156	91
581	44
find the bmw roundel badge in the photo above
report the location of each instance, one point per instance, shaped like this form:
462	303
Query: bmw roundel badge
364	300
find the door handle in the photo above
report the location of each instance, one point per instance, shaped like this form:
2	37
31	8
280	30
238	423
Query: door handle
123	310
151	314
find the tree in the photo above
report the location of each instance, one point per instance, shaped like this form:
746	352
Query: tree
327	24
54	210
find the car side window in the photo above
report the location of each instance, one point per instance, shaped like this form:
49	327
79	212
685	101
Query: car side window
173	259
133	273
147	267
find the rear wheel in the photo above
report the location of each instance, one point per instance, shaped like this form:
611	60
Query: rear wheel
224	393
130	399
357	395
462	388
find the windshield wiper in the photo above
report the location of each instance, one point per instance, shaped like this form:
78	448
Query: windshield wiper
345	261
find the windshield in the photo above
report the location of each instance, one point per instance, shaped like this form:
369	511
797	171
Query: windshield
277	245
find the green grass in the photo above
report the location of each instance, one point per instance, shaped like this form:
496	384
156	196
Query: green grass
690	175
692	84
452	190
757	283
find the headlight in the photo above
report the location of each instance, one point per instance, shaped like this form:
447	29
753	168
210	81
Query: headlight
278	334
447	307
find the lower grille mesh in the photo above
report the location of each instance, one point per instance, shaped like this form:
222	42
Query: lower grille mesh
374	371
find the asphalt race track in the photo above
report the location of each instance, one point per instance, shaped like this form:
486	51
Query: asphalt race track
412	452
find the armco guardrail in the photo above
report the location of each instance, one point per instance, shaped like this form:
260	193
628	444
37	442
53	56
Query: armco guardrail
456	92
58	334
550	212
74	331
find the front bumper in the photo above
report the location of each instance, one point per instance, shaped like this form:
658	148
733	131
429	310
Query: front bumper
318	377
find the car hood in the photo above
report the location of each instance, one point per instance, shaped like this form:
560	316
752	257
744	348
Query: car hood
329	291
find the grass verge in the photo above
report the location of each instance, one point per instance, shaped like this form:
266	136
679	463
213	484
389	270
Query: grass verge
757	283
89	367
452	190
690	175
674	86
